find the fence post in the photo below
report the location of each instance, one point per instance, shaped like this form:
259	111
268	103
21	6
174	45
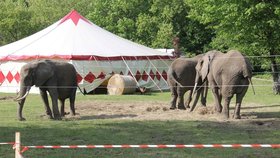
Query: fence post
17	146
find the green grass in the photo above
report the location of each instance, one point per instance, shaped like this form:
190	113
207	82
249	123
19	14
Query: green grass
40	131
138	132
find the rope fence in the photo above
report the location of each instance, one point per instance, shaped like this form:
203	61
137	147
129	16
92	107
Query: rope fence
140	67
143	68
155	146
19	150
248	56
105	87
7	143
152	66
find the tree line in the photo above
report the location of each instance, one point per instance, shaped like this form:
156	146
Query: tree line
201	25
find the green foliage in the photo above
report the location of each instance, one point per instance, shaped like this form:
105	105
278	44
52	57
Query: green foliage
102	132
14	21
201	25
117	16
21	18
250	26
153	23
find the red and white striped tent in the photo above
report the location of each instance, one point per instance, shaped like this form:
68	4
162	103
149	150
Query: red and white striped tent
95	53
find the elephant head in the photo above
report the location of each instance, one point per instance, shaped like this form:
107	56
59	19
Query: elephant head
203	67
34	73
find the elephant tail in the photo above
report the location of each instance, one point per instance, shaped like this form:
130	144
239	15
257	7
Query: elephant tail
82	91
172	76
250	80
247	72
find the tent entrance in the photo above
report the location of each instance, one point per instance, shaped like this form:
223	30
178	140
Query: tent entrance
101	89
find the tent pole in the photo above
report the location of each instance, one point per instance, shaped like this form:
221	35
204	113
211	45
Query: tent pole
164	61
111	65
130	71
100	67
152	80
157	70
97	62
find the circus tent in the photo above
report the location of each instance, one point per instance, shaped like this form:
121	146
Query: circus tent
96	54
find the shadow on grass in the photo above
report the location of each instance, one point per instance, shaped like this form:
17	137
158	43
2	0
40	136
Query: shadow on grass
8	98
105	116
267	115
258	107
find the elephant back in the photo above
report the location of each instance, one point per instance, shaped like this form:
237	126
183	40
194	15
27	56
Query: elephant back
182	72
66	73
247	68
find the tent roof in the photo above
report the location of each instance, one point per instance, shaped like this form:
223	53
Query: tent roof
76	38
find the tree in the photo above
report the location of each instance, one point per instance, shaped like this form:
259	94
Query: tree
21	18
118	16
250	26
45	12
14	21
153	23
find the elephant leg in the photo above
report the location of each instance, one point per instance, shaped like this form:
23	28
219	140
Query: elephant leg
239	98
44	97
217	98
181	92
62	106
225	110
236	114
174	96
220	101
72	103
189	99
241	91
54	96
203	96
220	96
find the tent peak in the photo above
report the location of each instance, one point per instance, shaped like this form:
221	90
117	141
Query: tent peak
74	16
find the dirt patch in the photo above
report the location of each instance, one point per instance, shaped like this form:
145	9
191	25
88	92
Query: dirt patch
7	98
251	114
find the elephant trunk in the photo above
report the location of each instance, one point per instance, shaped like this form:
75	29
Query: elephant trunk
197	77
194	89
24	90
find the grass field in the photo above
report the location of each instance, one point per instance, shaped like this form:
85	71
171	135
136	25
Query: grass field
260	123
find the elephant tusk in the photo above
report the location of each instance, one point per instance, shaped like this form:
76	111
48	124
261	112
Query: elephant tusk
194	91
25	95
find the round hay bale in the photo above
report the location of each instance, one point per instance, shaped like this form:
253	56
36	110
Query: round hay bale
120	84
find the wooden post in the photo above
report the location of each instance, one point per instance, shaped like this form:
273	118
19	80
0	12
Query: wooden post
17	146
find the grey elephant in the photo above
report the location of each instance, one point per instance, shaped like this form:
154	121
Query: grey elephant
181	78
57	78
227	74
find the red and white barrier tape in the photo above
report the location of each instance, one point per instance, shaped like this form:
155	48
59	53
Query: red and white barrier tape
7	143
156	146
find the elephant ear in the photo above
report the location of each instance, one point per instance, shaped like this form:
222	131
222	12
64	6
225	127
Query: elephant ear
205	66
42	73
